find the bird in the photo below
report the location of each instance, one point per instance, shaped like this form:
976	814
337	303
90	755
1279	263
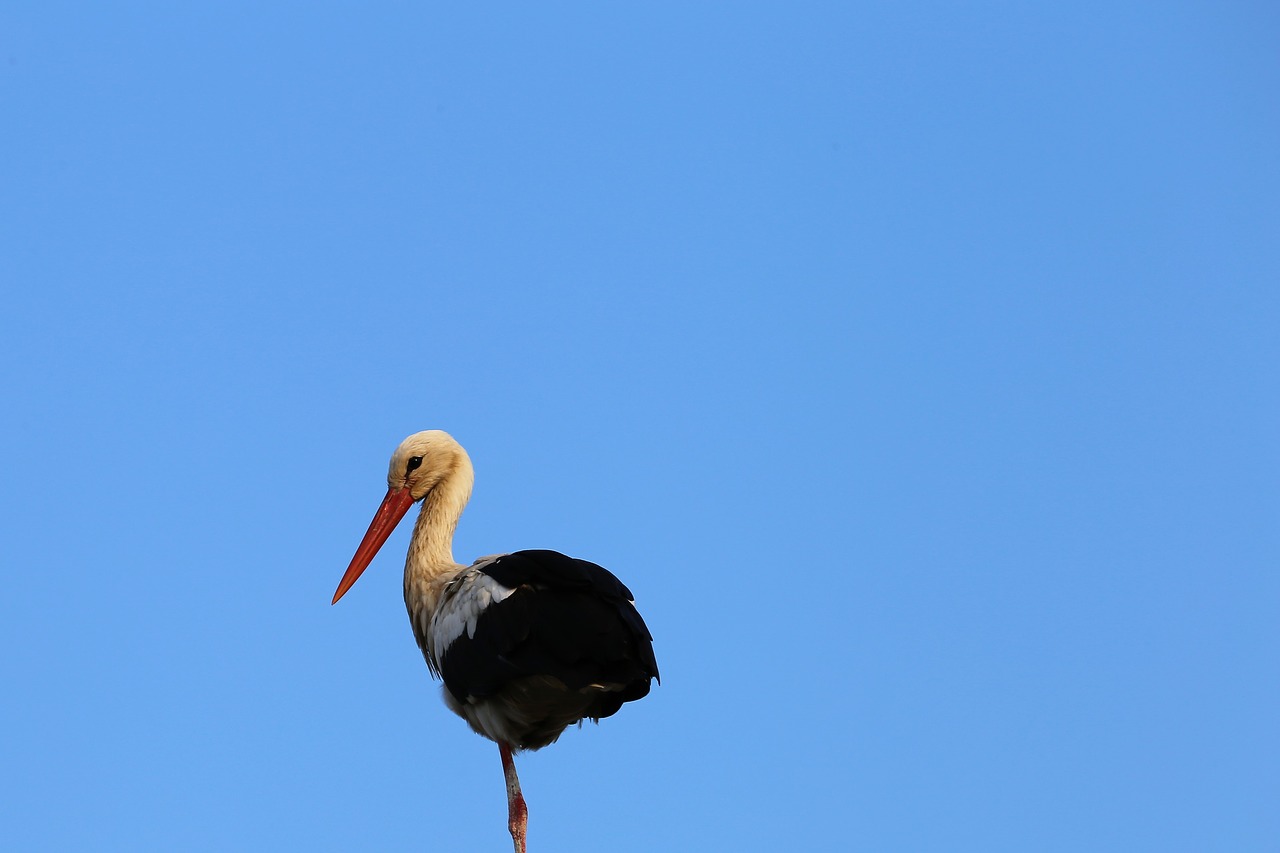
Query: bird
527	643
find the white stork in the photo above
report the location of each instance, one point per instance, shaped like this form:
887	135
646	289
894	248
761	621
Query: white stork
526	643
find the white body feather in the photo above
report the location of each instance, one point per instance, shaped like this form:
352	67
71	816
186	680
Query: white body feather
463	600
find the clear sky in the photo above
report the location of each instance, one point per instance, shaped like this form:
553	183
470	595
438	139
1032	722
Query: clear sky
915	364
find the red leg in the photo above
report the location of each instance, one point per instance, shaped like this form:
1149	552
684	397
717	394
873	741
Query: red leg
517	811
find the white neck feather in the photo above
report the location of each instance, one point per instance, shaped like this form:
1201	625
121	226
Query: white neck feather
429	564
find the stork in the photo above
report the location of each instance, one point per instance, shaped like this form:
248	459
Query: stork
526	643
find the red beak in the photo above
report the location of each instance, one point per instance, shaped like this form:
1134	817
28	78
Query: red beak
394	506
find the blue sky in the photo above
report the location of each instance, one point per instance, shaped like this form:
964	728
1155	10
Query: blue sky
914	364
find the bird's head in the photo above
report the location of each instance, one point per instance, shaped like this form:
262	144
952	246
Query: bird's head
423	461
421	464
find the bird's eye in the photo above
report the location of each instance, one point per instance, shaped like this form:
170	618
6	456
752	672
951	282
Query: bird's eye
414	462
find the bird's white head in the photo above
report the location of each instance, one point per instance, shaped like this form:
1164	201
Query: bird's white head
425	462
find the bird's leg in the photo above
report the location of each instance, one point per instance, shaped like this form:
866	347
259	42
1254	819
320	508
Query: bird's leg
517	811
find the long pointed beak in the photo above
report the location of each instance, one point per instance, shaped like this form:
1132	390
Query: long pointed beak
394	506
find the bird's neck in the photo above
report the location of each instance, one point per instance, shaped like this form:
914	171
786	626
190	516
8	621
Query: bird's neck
430	564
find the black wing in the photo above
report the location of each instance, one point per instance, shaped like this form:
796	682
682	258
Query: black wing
567	619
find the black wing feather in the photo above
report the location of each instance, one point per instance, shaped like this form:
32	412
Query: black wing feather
567	618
